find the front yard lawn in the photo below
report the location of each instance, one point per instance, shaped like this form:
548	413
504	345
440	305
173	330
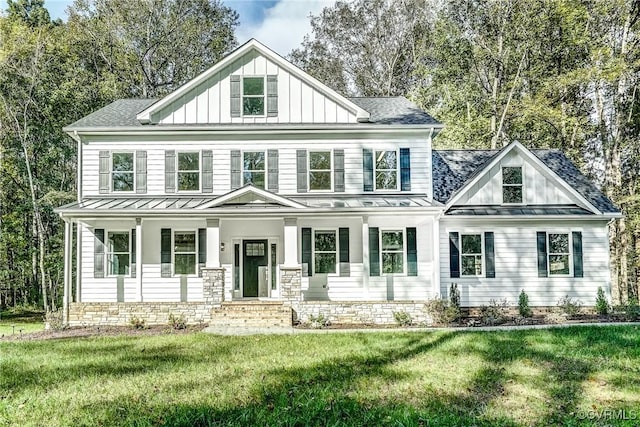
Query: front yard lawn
20	321
566	376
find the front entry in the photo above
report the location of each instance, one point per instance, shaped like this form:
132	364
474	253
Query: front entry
255	262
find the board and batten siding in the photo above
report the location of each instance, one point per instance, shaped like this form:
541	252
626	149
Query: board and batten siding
420	152
209	102
538	188
516	263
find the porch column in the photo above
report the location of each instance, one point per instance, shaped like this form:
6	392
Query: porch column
78	262
436	257
365	253
291	242
213	243
68	248
139	258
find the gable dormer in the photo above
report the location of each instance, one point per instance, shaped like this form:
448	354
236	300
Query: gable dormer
253	85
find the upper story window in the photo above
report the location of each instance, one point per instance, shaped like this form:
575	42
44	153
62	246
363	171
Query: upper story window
188	171
386	170
122	172
118	253
326	251
253	168
184	252
253	95
559	254
392	251
512	184
320	170
471	254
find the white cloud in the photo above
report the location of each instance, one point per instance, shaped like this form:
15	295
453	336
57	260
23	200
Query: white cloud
285	24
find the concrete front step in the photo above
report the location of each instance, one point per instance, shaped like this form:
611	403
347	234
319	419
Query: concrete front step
258	314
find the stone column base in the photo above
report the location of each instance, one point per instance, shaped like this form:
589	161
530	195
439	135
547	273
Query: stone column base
213	285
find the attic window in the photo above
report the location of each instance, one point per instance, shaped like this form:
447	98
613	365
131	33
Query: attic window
512	184
253	96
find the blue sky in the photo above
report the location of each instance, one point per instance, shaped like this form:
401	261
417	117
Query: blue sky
280	24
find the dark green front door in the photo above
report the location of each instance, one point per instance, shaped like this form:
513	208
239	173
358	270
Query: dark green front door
254	255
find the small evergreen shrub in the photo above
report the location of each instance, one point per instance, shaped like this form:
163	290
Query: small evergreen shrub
137	323
495	313
177	322
402	318
523	305
602	305
569	307
441	312
318	322
54	320
454	298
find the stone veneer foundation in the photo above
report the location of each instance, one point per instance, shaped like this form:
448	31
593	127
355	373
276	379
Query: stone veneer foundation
361	312
121	313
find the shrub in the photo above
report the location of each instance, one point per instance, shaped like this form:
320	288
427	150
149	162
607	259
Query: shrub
177	322
54	320
523	305
402	318
569	307
630	311
602	305
441	312
318	322
454	298
137	323
495	313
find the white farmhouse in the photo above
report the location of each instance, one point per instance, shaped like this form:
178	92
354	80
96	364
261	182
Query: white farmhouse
255	194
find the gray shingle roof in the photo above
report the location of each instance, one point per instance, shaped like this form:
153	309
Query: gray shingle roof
518	210
453	168
383	111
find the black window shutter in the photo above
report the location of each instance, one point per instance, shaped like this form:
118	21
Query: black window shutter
207	171
165	252
103	165
306	253
374	252
577	254
141	172
542	253
202	250
345	266
454	255
489	255
235	96
236	169
301	166
98	253
338	170
170	171
367	169
412	252
133	253
272	96
405	169
272	168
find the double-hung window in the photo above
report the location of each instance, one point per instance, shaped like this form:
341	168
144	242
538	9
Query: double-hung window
118	253
253	168
471	254
386	170
320	170
559	254
122	172
512	184
253	96
325	247
392	251
188	171
184	252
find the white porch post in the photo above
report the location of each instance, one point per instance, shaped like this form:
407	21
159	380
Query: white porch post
139	258
68	248
291	242
78	262
365	253
436	257
213	243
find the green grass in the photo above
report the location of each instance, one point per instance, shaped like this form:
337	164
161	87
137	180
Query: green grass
535	377
25	319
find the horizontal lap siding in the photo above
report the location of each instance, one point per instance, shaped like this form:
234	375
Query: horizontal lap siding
516	265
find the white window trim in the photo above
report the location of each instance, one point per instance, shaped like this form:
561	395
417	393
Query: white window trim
404	250
111	171
483	271
502	185
107	252
313	249
264	95
330	151
570	253
173	252
177	173
265	170
375	170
